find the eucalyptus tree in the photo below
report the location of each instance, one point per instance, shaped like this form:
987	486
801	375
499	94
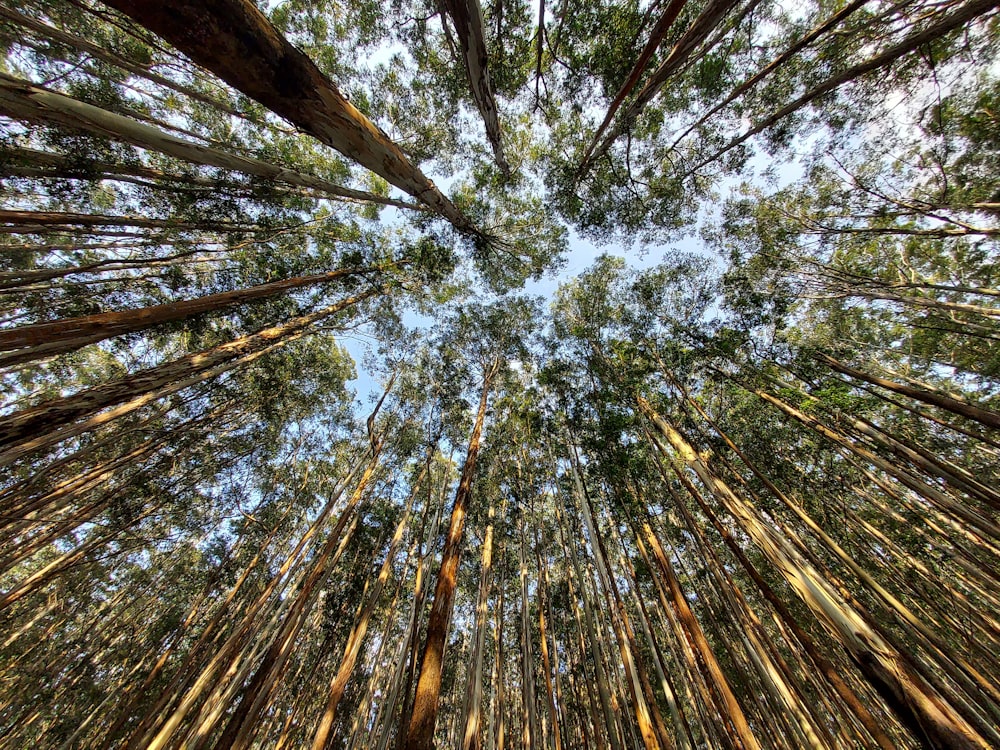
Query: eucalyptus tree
611	318
740	499
482	341
288	83
650	168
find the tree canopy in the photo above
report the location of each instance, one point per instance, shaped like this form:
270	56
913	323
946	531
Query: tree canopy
322	426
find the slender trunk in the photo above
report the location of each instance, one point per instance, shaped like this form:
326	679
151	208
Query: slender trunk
682	732
27	222
467	15
236	42
238	732
352	649
68	334
420	734
108	56
712	15
987	532
636	681
959	17
542	594
413	636
830	23
42	426
700	643
539	45
934	398
656	37
889	669
474	692
921	302
596	646
529	733
25	101
500	692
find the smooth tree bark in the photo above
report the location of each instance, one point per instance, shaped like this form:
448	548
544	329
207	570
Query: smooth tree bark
651	728
944	401
663	25
420	733
471	739
322	738
28	222
960	16
889	669
24	100
596	645
699	643
238	732
42	426
234	40
547	662
713	14
529	714
467	16
31	342
953	663
976	525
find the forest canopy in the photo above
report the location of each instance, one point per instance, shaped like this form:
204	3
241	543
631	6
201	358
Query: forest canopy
324	425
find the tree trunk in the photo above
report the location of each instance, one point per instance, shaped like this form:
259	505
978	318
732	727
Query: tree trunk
886	667
96	50
321	738
44	425
238	731
236	42
529	728
595	653
68	334
663	25
650	724
420	734
25	101
542	595
830	23
700	643
467	15
474	692
962	15
934	398
712	15
27	222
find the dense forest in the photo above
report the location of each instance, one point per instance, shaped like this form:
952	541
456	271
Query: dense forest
293	454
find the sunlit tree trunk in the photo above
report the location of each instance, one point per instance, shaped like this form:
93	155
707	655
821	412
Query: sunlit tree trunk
934	398
42	426
68	334
25	101
880	662
529	729
236	41
962	15
700	643
420	734
467	15
322	737
474	693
